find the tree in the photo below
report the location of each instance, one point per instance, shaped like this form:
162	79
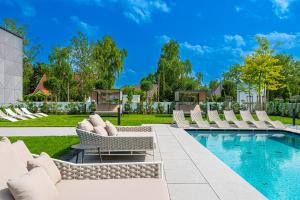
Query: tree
81	60
54	86
146	85
262	69
213	84
172	71
29	51
229	89
61	70
199	78
108	60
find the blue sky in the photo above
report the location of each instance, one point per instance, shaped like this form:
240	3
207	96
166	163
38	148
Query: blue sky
213	34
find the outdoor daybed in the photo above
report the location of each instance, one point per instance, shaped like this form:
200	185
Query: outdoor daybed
27	177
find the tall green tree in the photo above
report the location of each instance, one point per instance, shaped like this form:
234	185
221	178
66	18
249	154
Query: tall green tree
81	60
262	69
61	69
173	72
30	51
108	60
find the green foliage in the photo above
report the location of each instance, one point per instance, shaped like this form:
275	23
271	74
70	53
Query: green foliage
39	96
53	85
146	85
229	89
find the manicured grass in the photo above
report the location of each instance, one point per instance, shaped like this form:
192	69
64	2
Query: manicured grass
55	146
126	120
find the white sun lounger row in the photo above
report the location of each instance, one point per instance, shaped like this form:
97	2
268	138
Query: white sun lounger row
247	121
19	114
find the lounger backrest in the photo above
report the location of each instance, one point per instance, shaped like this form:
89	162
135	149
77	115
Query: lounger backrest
230	116
2	114
10	112
18	111
262	116
246	115
213	115
197	108
196	115
178	115
26	111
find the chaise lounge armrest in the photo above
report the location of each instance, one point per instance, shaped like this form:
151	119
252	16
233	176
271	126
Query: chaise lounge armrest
134	128
98	171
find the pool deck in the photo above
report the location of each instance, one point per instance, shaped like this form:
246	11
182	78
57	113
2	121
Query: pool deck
192	172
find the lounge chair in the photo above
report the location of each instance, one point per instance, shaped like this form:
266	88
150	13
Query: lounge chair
113	181
213	116
263	116
25	110
14	115
196	117
179	119
230	117
19	112
133	139
247	117
3	116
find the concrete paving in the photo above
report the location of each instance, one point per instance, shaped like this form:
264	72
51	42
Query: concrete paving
37	131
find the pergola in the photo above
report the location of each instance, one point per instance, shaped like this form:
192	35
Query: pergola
107	101
186	100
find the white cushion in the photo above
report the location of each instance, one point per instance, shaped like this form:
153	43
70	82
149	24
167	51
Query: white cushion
11	165
86	126
5	139
100	130
96	120
111	129
48	165
22	151
34	185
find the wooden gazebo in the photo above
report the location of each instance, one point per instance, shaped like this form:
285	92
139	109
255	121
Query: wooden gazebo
107	101
186	100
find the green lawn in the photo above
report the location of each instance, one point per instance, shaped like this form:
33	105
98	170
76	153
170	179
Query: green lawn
55	146
126	120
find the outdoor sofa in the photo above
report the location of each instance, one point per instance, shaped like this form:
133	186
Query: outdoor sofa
62	180
132	139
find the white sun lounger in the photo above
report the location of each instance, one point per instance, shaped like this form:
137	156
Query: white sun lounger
3	116
178	118
196	117
25	110
14	115
263	116
213	116
19	112
247	117
230	117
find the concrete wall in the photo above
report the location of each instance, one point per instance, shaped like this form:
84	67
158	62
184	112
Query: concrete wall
11	68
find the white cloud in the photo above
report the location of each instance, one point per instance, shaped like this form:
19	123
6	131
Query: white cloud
285	40
236	39
84	27
199	49
162	39
238	8
281	7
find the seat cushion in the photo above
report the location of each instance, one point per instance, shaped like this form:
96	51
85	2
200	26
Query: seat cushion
100	130
48	165
133	189
96	120
34	185
86	126
11	166
111	129
22	151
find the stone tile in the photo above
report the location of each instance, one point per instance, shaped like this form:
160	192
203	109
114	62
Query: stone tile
182	175
191	192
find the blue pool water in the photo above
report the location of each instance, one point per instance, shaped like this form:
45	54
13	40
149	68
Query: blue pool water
270	161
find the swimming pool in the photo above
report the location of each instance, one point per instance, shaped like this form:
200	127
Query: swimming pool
269	160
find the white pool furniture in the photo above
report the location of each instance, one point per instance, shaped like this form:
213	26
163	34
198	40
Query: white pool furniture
263	116
230	117
39	114
4	116
196	117
113	181
247	117
213	116
179	119
20	112
14	115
